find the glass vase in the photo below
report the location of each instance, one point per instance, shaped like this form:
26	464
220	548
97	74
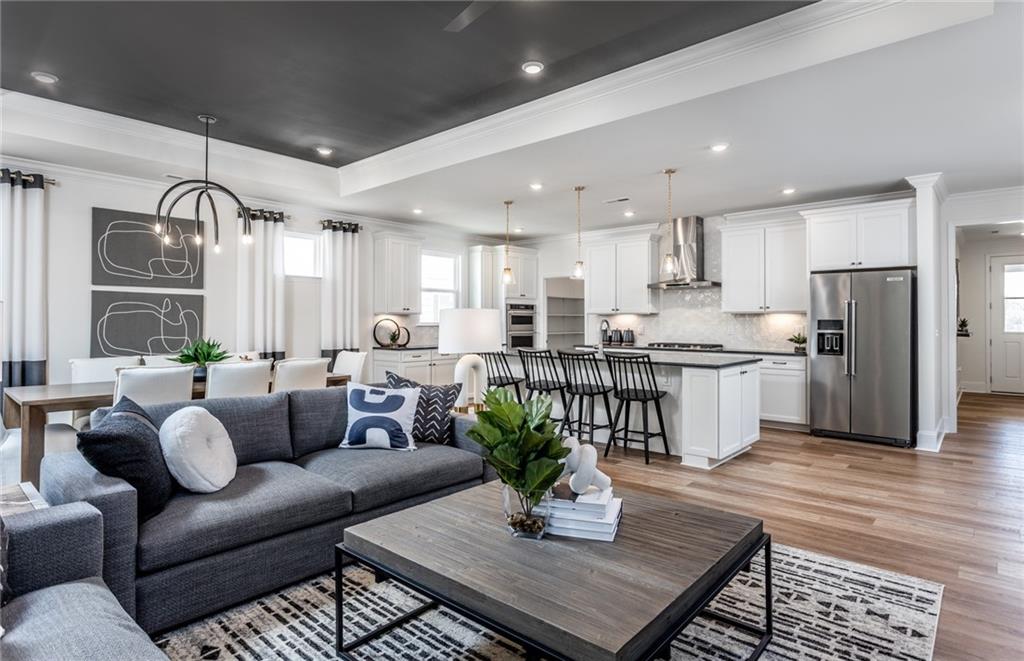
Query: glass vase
520	523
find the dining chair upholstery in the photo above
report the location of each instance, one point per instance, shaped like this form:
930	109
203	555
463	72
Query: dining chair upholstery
162	360
300	374
95	370
154	385
349	363
238	379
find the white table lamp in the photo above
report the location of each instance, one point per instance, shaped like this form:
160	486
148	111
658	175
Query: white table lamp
469	331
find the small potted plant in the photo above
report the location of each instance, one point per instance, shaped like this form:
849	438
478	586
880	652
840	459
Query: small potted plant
962	327
799	341
201	353
525	451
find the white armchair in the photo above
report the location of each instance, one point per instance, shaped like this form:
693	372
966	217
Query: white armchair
300	374
154	385
238	379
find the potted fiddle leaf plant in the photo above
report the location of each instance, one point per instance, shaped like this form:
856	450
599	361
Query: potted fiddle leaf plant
201	353
525	451
799	341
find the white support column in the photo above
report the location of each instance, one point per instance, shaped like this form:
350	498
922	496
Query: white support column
932	365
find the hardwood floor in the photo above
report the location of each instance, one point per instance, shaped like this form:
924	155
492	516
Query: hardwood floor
956	517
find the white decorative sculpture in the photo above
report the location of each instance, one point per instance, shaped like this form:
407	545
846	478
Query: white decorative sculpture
581	467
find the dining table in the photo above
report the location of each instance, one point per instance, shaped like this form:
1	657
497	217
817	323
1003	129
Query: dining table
25	407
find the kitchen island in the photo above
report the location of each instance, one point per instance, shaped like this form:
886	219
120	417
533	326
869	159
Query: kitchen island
711	407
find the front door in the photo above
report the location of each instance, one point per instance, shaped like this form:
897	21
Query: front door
1006	323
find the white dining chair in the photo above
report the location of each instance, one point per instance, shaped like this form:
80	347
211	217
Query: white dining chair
238	379
154	385
162	360
350	363
95	370
300	374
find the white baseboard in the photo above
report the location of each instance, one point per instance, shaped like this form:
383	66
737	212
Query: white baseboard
973	386
931	441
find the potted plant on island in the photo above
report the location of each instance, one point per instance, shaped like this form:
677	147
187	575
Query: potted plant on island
525	450
962	327
201	353
799	341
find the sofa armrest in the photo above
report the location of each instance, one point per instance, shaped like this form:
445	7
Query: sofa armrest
66	477
52	546
462	441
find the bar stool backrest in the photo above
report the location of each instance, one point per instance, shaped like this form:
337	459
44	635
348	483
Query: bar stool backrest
540	368
632	372
498	370
581	368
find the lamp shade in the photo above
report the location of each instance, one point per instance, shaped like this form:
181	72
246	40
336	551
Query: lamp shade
469	330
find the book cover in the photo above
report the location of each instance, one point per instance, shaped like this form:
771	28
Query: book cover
593	500
572	521
598	536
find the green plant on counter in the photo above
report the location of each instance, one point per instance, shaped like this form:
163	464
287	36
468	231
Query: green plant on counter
201	353
798	339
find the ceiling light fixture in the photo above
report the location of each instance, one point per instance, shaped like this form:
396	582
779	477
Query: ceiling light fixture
577	268
44	77
788	191
628	213
720	147
507	276
417	211
536	186
202	187
324	151
669	264
533	67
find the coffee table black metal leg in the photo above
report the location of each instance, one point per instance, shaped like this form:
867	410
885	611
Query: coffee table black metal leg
765	634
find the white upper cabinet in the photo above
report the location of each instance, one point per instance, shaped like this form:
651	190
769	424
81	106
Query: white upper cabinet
483	277
485	266
872	235
764	269
396	277
617	277
524	266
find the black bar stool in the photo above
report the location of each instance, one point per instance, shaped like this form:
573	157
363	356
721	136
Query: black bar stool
542	375
633	377
499	374
583	381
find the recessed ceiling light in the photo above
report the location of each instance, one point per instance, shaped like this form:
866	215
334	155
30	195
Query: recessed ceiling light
44	77
518	230
788	191
536	186
720	147
628	213
417	211
324	151
533	67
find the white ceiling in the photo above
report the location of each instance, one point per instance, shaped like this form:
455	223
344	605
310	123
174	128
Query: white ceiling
1000	230
951	101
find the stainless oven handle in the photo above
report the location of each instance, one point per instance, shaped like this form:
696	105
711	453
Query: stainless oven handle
846	334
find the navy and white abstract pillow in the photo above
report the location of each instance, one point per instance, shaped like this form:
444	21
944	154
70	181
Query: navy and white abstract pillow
433	414
381	418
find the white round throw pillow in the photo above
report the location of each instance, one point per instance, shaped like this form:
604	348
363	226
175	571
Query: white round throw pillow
198	450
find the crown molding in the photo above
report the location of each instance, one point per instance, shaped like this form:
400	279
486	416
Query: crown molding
933	180
811	35
795	211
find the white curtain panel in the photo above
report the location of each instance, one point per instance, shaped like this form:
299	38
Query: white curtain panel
261	321
339	289
23	278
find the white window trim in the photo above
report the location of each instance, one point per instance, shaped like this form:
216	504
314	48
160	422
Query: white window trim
318	253
458	279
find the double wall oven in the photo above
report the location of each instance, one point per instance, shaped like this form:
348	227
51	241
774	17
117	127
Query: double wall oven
520	325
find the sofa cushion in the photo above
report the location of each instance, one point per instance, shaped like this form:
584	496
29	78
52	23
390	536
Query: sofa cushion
264	500
77	620
379	477
258	426
319	418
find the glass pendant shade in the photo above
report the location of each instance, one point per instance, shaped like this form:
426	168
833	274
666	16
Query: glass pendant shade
670	265
577	270
507	276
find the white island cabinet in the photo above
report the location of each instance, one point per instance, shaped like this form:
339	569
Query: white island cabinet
720	413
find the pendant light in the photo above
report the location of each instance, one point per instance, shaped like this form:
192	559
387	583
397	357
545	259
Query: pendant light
507	276
204	189
669	263
577	269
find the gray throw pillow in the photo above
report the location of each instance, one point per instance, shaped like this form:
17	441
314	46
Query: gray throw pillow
434	421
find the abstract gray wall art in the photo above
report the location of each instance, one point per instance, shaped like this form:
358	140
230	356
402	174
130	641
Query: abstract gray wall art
137	323
128	253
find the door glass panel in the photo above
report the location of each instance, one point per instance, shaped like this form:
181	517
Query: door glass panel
1013	298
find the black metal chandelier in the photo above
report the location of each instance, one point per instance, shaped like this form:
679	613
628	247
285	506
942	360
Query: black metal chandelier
204	189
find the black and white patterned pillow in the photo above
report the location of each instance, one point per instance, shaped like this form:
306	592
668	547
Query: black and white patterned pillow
433	412
381	418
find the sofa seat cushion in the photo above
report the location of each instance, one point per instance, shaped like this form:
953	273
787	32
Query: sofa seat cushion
264	500
77	620
380	477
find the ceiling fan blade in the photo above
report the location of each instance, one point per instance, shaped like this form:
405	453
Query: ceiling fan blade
472	12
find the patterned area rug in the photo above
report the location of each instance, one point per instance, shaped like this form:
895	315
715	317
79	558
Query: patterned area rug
825	608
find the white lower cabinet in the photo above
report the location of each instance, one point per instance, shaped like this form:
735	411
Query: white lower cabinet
424	366
784	389
720	413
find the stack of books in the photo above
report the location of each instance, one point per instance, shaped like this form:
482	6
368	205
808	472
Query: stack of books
591	515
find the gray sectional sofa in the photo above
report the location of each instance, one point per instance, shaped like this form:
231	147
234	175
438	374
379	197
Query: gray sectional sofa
276	523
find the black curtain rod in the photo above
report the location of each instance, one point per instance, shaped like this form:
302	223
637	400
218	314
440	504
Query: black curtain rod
30	178
336	225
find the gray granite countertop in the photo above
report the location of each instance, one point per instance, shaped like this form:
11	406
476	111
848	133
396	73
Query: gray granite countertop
415	348
716	360
729	350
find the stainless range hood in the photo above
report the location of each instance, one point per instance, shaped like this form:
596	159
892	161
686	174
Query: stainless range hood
688	250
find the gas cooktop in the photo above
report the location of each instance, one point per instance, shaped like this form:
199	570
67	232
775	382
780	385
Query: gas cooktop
699	346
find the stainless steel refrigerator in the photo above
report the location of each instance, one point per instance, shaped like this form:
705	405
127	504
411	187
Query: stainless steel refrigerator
863	355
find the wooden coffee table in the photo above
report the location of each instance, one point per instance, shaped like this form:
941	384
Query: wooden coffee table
563	598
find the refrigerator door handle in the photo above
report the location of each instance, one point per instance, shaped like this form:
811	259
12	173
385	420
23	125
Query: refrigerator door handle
853	337
846	332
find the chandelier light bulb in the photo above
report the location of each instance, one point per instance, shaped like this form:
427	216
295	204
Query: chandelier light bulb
167	239
247	239
157	227
199	240
216	248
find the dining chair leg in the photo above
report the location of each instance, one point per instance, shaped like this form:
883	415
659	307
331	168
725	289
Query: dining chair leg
519	395
579	420
607	411
565	405
647	453
593	401
566	421
611	433
661	424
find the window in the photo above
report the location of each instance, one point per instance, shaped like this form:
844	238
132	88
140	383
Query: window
302	254
1013	298
439	285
